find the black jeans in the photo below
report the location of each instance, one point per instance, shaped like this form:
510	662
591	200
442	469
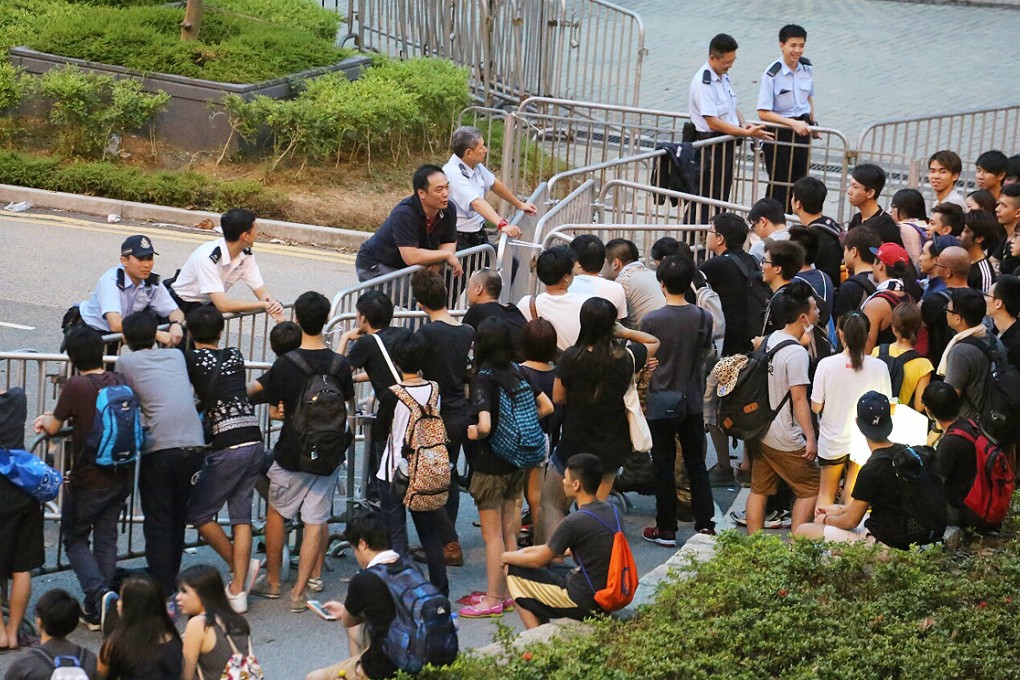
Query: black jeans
691	432
715	164
456	433
786	161
427	524
165	482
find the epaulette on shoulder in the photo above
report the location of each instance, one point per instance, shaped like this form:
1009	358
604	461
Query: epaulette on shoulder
706	77
805	61
775	68
215	255
152	280
246	251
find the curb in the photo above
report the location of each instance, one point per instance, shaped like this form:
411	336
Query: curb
292	232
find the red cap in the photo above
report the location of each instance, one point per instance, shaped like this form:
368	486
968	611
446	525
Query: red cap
891	254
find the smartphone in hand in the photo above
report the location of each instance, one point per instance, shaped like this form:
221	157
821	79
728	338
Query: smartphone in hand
317	607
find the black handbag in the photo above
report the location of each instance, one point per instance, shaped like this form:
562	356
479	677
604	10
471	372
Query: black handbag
637	474
672	404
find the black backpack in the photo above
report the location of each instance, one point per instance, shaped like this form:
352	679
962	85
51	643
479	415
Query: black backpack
999	418
896	366
759	294
924	499
320	419
746	412
866	284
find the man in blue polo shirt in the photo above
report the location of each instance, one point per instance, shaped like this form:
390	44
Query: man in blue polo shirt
422	229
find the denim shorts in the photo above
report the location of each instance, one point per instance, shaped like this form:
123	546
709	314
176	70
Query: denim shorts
227	476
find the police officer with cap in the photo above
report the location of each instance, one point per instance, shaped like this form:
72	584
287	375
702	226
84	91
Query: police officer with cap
132	287
786	97
713	110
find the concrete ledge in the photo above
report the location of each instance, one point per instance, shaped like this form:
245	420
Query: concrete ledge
291	232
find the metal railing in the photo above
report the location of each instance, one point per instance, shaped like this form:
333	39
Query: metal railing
902	146
514	48
642	235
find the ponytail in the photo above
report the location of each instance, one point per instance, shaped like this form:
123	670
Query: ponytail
855	327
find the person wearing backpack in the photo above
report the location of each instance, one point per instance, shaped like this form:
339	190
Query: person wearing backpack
217	639
94	493
897	484
909	371
675	400
175	444
889	269
808	202
966	363
56	617
544	590
144	644
384	633
413	474
236	451
316	387
957	452
860	261
510	442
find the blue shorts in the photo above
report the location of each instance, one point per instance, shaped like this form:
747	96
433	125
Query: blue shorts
227	476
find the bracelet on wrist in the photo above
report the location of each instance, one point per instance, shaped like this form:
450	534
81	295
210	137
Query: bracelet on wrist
502	225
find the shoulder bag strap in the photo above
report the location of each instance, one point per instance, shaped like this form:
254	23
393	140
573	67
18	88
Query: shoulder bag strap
386	356
740	265
533	306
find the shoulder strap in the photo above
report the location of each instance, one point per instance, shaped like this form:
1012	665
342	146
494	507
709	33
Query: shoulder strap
908	356
772	352
386	356
599	520
883	351
46	655
533	305
295	358
741	265
967	433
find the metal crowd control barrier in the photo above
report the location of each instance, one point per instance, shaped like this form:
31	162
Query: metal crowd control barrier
902	146
642	235
514	48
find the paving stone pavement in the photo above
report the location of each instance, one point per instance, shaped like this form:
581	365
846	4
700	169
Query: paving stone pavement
873	59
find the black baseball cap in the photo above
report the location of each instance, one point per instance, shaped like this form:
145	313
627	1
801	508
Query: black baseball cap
138	245
874	416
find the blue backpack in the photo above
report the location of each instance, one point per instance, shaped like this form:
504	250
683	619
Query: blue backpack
422	631
518	438
116	437
30	474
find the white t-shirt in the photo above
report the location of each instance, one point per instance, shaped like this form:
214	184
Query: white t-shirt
789	367
596	286
401	418
839	387
562	311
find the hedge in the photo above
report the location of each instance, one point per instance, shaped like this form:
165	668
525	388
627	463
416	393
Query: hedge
763	608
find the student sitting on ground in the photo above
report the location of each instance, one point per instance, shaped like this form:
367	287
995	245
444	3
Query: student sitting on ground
215	632
144	645
544	591
56	617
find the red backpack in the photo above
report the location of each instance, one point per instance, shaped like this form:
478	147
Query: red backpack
622	580
990	495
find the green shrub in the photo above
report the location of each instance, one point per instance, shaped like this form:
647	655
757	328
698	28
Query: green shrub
12	86
440	86
87	108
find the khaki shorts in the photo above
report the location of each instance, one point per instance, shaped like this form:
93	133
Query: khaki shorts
769	465
491	491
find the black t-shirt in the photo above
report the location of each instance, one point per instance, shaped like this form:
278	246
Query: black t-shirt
830	250
933	313
406	227
956	464
230	413
286	382
165	663
513	317
369	598
1010	339
882	224
1004	254
595	419
725	278
365	354
447	363
878	486
545	381
13	414
852	293
485	397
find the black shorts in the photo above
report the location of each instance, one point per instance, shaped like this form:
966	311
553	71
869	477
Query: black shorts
21	540
826	462
543	592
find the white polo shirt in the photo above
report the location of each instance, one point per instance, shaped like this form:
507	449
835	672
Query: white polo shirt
210	269
711	95
115	292
467	185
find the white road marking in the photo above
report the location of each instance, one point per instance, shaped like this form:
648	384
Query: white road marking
17	326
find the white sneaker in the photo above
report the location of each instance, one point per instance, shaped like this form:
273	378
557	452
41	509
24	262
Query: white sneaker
239	602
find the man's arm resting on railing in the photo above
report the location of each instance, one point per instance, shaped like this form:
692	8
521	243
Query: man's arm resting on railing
447	253
482	207
265	302
47	423
747	130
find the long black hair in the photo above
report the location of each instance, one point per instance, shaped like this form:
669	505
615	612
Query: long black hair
208	586
855	326
598	318
494	351
143	625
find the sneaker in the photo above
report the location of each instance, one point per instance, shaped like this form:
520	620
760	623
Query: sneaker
108	613
253	574
708	532
739	517
508	604
721	476
481	611
239	602
299	604
263	588
774	520
667	539
91	617
785	519
315	584
478	598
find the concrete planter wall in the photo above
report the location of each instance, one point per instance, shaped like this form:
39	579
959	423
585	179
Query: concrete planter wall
189	122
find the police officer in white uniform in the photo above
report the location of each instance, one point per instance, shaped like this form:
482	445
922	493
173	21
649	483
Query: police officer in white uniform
712	106
786	97
217	265
132	287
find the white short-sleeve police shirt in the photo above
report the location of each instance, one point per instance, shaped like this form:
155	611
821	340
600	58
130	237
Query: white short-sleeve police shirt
466	186
785	91
116	293
711	95
210	269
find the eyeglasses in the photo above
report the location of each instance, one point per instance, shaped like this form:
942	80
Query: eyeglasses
767	262
952	311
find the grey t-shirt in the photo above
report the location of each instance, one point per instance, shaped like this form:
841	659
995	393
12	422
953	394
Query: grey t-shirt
681	352
643	293
789	367
36	663
159	378
967	369
591	544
